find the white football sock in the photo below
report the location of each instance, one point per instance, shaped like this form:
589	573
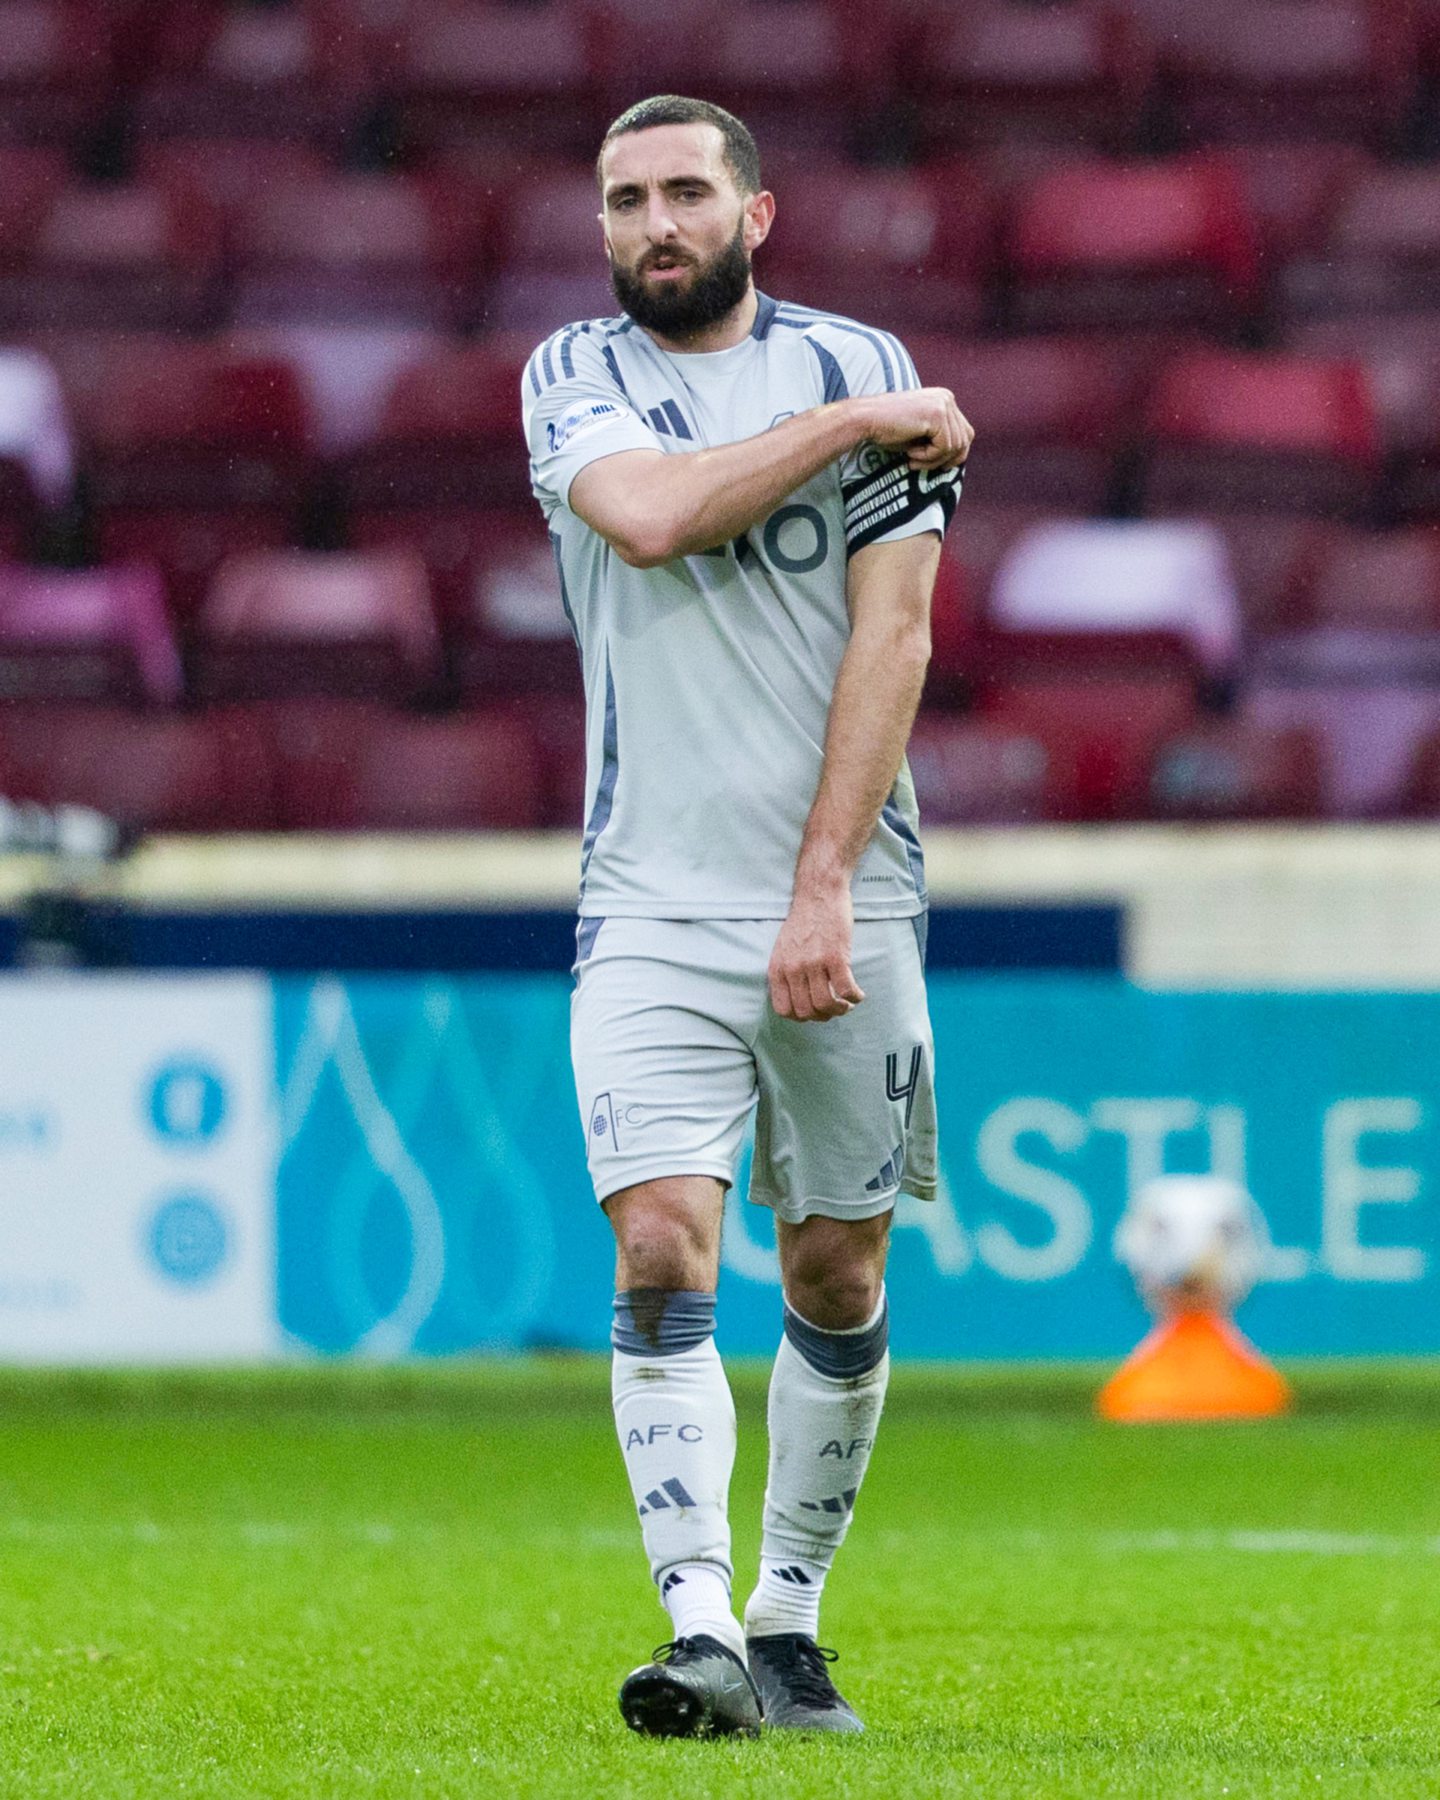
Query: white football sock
826	1393
676	1423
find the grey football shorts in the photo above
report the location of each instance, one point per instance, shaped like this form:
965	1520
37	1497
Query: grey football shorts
674	1041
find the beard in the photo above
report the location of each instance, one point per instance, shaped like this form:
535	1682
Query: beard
716	288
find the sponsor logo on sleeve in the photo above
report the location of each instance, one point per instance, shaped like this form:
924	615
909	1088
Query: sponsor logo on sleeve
579	420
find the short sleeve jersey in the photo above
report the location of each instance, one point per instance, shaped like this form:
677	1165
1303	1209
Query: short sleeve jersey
708	680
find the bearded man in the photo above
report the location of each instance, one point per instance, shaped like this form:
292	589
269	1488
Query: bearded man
746	500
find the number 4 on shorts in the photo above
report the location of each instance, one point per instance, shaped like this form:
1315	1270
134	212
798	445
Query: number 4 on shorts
894	1090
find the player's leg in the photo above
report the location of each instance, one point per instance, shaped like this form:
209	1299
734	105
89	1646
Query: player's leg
847	1117
665	1083
673	1412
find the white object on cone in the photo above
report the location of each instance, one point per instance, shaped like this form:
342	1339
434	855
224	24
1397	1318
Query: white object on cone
1192	1242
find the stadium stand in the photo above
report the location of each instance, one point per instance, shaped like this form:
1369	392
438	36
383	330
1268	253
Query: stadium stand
269	274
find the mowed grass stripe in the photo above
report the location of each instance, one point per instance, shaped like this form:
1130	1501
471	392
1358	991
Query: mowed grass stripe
343	1581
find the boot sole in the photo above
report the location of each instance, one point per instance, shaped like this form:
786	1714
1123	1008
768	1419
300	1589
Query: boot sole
656	1705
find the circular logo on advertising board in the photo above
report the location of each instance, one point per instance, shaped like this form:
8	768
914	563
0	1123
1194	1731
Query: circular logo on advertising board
188	1239
187	1101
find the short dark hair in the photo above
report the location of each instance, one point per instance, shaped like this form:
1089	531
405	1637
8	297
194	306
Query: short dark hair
742	156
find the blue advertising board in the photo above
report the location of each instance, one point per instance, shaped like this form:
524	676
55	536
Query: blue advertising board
432	1195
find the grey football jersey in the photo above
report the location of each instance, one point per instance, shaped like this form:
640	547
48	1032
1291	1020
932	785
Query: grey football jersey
708	681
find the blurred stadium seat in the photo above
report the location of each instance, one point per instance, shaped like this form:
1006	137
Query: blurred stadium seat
448	436
37	455
1099	727
970	771
1074	579
1251	432
360	249
1382	250
153	771
904	252
1101	245
112	256
1255	69
1053	415
1228	769
239	70
1372	613
554	268
1367	731
98	634
355	766
192	449
1401	356
289	623
1073	73
499	75
55	69
498	589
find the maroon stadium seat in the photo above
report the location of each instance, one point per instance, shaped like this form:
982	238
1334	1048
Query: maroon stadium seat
227	173
295	623
123	256
1230	769
1272	558
896	249
1367	732
448	436
1255	69
1077	73
499	591
554	268
1381	253
156	771
970	771
1402	357
823	79
979	538
1418	795
360	249
1247	432
500	75
355	766
55	67
1052	415
194	450
1116	245
1371	613
251	71
1099	733
98	634
1293	189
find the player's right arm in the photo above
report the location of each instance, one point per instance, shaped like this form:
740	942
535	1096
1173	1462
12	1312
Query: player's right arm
592	451
651	507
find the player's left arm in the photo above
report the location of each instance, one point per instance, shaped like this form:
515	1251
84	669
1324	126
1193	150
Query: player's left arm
877	691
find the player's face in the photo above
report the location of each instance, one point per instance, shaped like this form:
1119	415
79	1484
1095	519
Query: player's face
677	229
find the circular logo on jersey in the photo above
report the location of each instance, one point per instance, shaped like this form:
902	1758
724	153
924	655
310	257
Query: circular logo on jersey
187	1101
188	1239
600	1127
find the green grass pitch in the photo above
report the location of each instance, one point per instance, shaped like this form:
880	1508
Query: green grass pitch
428	1582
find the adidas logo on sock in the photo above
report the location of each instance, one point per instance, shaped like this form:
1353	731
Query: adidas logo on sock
794	1574
655	1500
833	1503
671	1581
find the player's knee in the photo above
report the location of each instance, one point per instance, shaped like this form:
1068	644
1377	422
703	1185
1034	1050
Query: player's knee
661	1246
838	1300
834	1273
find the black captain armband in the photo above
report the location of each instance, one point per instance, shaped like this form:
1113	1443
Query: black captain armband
888	492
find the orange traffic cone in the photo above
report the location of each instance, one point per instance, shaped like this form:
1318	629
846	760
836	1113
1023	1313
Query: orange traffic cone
1196	1365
